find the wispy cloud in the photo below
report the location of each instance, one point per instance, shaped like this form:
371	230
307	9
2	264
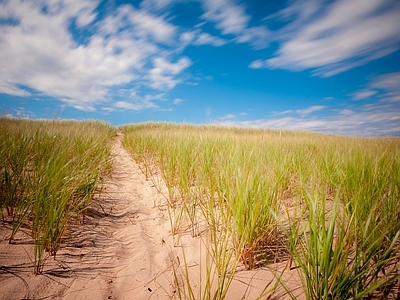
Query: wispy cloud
334	38
144	23
133	106
207	39
18	112
178	101
385	87
300	112
363	94
197	37
41	54
231	18
369	120
162	76
231	117
309	110
390	85
157	4
136	102
226	119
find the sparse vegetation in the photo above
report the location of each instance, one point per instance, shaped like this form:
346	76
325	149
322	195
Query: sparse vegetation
330	203
49	173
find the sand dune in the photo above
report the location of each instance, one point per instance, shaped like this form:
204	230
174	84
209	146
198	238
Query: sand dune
123	249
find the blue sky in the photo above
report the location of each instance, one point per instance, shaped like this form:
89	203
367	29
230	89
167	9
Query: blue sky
315	65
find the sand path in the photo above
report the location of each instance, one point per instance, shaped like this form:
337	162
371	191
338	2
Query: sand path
121	251
132	241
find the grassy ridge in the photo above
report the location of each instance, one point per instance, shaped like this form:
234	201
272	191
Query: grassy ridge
336	199
49	171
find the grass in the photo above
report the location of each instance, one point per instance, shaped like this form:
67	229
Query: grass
251	198
329	202
49	172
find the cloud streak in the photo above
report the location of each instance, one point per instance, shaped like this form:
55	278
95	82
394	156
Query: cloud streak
197	37
369	120
347	34
162	76
231	18
385	87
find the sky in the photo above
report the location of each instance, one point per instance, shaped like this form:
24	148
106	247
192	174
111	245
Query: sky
312	65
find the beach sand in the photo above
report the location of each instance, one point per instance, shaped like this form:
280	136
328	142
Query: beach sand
122	249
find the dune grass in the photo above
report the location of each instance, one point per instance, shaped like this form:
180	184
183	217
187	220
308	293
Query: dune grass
252	197
49	172
331	203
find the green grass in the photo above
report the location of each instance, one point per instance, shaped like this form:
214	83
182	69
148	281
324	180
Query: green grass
245	185
251	197
49	171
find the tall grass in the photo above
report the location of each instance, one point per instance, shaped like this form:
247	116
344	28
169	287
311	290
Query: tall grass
49	172
241	190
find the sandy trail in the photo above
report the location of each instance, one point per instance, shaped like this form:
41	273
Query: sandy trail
122	250
131	241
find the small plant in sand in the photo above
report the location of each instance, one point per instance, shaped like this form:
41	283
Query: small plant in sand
336	259
49	174
206	191
228	187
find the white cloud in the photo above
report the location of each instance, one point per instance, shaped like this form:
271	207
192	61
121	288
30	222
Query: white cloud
349	33
389	81
137	102
309	110
187	37
162	76
197	37
154	26
156	4
38	51
133	106
18	112
227	118
231	18
369	120
363	94
257	64
302	112
385	87
141	23
178	101
83	11
207	39
9	88
281	113
389	87
108	109
258	36
297	13
80	105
